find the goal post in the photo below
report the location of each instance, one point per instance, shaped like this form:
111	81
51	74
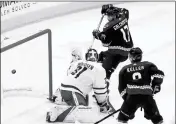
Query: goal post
49	57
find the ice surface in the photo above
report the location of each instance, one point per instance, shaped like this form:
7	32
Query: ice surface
152	25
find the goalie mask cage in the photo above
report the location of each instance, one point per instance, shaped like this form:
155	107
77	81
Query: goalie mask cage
8	53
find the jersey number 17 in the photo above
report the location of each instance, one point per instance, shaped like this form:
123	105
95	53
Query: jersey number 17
126	33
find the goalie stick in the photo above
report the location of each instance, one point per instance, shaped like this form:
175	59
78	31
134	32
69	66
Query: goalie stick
107	117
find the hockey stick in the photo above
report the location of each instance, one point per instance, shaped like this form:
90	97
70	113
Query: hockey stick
107	116
97	29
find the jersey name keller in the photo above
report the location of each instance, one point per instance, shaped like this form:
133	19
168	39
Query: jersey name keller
136	68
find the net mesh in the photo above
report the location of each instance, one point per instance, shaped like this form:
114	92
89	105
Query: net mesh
25	68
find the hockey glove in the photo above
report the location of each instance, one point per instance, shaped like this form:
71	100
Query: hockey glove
156	89
96	34
105	8
104	107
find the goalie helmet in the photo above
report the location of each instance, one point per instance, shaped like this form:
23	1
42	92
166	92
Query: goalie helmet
76	54
91	55
135	55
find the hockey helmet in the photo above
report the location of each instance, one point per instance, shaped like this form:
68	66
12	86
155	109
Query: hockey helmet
135	55
92	55
112	14
113	11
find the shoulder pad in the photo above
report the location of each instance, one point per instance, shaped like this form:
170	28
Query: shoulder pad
149	63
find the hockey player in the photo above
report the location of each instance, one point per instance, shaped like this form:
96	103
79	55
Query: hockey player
116	36
83	77
138	82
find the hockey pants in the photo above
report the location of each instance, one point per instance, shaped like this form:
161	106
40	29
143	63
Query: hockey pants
133	102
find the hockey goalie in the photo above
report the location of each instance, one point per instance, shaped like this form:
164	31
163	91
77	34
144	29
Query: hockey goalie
72	98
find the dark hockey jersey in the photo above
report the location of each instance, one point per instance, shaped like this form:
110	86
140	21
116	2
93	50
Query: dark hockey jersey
116	35
139	78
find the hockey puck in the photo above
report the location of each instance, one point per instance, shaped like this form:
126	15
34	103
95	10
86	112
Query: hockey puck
13	71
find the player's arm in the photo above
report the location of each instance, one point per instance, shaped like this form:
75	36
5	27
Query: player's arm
122	84
157	78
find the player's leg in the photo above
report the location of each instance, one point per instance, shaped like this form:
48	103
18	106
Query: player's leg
115	60
106	59
111	62
151	111
118	59
102	56
128	108
74	98
107	64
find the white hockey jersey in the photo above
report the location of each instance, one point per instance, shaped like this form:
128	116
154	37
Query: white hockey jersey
83	76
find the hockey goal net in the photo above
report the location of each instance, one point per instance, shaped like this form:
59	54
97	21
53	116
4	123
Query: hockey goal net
26	66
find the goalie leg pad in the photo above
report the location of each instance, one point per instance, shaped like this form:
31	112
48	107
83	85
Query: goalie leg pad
87	114
74	98
67	114
58	113
57	98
